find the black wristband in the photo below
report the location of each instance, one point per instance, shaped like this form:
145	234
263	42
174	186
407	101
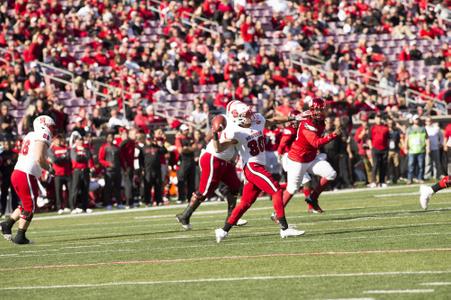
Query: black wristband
215	136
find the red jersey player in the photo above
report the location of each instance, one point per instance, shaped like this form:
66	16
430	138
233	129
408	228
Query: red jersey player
24	179
288	137
246	135
426	192
216	167
303	156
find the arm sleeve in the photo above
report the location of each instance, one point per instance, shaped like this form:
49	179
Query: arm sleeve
316	141
102	160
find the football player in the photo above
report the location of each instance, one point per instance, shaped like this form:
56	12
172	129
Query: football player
288	137
216	167
32	160
426	192
246	135
303	156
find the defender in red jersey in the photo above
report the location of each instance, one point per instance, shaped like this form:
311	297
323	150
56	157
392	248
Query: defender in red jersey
32	160
426	192
303	156
289	135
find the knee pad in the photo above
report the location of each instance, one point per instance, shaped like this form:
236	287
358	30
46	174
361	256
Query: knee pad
332	175
26	215
198	196
292	189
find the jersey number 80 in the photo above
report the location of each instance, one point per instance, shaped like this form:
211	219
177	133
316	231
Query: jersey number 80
256	146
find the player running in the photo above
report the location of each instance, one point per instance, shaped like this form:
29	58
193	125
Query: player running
24	179
303	156
246	135
216	167
426	192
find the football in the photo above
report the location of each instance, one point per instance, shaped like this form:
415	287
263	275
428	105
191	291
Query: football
218	123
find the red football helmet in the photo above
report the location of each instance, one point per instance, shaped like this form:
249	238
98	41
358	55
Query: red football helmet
294	113
318	109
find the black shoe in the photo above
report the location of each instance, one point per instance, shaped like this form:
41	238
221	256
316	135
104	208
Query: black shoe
6	231
185	223
314	204
21	240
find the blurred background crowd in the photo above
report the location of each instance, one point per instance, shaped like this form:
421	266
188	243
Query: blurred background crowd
133	85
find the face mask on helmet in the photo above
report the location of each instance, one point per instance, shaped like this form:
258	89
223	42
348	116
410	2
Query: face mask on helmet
240	113
318	109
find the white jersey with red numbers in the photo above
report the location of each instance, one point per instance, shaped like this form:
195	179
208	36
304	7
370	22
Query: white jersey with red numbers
251	141
27	162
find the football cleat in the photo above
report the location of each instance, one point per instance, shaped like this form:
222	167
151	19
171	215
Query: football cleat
425	194
313	206
241	222
220	235
6	231
21	240
185	224
60	211
290	232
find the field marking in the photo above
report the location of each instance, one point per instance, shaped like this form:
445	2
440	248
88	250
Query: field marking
436	283
406	194
214	258
350	299
208	280
323	232
411	291
172	206
118	242
355	218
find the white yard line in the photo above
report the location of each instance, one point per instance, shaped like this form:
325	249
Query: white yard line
172	206
213	258
436	283
58	252
252	232
229	279
350	299
411	291
406	194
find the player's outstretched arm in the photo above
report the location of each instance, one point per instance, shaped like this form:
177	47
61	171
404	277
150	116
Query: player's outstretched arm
41	149
284	119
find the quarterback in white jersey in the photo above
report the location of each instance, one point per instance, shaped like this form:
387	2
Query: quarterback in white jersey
216	167
24	179
246	135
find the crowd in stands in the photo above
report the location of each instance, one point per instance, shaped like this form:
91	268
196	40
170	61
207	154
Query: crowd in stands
383	58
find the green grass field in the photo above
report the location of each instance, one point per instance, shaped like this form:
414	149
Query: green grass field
375	244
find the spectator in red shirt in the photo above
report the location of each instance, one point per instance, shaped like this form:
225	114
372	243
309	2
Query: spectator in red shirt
61	163
379	134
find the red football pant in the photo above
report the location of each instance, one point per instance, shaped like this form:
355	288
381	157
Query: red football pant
26	187
258	179
213	171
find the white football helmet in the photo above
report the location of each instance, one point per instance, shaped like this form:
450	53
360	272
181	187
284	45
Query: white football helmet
44	124
239	112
